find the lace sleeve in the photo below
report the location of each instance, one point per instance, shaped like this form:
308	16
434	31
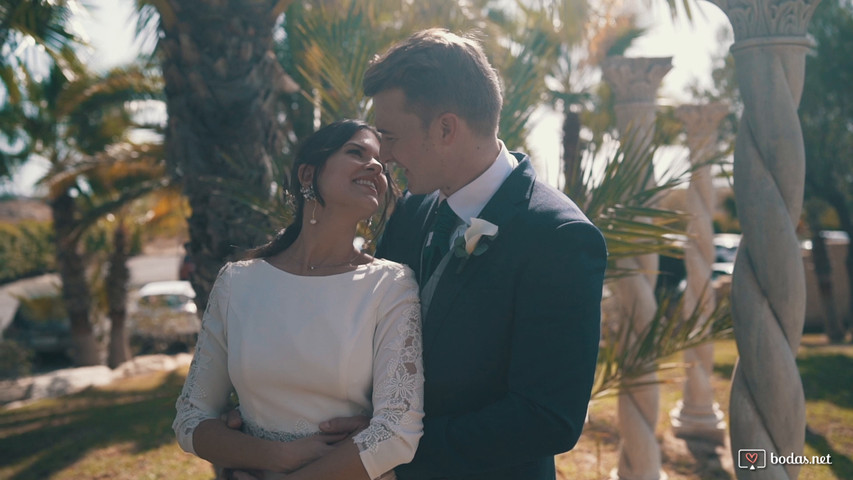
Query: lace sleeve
208	386
397	423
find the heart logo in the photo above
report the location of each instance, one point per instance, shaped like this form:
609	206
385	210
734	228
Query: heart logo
751	457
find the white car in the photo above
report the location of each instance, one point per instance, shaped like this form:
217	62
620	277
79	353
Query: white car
164	317
725	247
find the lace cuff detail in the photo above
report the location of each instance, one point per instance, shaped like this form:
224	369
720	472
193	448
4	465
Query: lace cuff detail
398	384
207	387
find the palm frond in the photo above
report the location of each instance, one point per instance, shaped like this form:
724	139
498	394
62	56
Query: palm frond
628	353
334	50
620	198
96	212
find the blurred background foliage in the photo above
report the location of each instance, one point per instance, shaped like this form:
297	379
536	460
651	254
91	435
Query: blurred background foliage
106	181
87	124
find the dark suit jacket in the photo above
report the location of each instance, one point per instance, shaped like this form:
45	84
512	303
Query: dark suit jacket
510	341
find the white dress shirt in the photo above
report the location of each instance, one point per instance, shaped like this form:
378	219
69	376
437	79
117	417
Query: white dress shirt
469	201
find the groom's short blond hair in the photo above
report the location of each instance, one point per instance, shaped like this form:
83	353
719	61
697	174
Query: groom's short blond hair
439	71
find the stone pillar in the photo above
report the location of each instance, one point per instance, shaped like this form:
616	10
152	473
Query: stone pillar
635	82
697	415
767	409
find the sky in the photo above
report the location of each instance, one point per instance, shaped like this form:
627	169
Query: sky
110	30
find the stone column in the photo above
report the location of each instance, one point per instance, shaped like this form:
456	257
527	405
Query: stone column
635	82
697	415
767	409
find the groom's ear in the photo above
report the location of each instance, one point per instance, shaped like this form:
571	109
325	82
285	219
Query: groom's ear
447	126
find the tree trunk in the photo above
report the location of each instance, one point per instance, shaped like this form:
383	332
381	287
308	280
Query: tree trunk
75	289
118	276
833	326
223	85
571	157
847	226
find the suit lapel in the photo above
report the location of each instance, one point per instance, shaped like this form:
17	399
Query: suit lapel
510	198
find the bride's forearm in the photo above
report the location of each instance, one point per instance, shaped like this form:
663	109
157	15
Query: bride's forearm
222	446
343	463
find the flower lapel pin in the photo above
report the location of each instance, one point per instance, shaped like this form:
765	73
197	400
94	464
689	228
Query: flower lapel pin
469	245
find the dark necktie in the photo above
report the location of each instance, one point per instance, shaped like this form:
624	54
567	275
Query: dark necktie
442	226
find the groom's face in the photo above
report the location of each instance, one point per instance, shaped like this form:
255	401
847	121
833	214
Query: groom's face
406	142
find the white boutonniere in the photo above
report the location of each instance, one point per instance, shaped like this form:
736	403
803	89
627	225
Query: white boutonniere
469	244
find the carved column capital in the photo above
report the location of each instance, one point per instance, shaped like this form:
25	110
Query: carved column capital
753	19
702	120
635	80
701	123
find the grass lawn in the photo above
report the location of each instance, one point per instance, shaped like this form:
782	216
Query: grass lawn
123	431
827	373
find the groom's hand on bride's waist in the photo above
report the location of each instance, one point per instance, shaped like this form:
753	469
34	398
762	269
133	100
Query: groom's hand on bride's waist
232	419
345	425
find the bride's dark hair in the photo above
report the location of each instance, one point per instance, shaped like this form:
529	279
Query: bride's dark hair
315	151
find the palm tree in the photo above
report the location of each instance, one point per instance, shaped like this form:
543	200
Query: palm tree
116	178
67	123
23	25
223	90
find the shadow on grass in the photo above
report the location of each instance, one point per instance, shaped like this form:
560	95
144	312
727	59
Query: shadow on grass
724	369
51	438
842	466
828	377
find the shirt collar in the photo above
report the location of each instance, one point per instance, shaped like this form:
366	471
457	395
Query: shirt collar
469	201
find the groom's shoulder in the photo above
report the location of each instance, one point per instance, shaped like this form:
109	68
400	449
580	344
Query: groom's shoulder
557	222
552	206
546	204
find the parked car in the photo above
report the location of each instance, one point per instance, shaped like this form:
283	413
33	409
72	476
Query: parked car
163	318
41	325
725	247
33	318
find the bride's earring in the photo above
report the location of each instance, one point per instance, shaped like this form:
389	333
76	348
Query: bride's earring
309	195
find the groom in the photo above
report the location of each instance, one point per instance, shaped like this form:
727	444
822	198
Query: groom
511	325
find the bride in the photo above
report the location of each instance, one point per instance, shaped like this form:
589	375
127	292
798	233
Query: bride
308	329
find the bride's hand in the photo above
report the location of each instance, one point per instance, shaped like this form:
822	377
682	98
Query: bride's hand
306	450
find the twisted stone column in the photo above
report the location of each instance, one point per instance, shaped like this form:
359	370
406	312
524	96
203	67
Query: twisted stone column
635	82
697	415
768	289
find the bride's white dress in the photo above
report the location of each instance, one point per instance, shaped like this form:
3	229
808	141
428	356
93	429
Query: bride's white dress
299	350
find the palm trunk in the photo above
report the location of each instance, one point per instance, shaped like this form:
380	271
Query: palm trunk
571	157
118	276
75	289
847	226
823	271
223	86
